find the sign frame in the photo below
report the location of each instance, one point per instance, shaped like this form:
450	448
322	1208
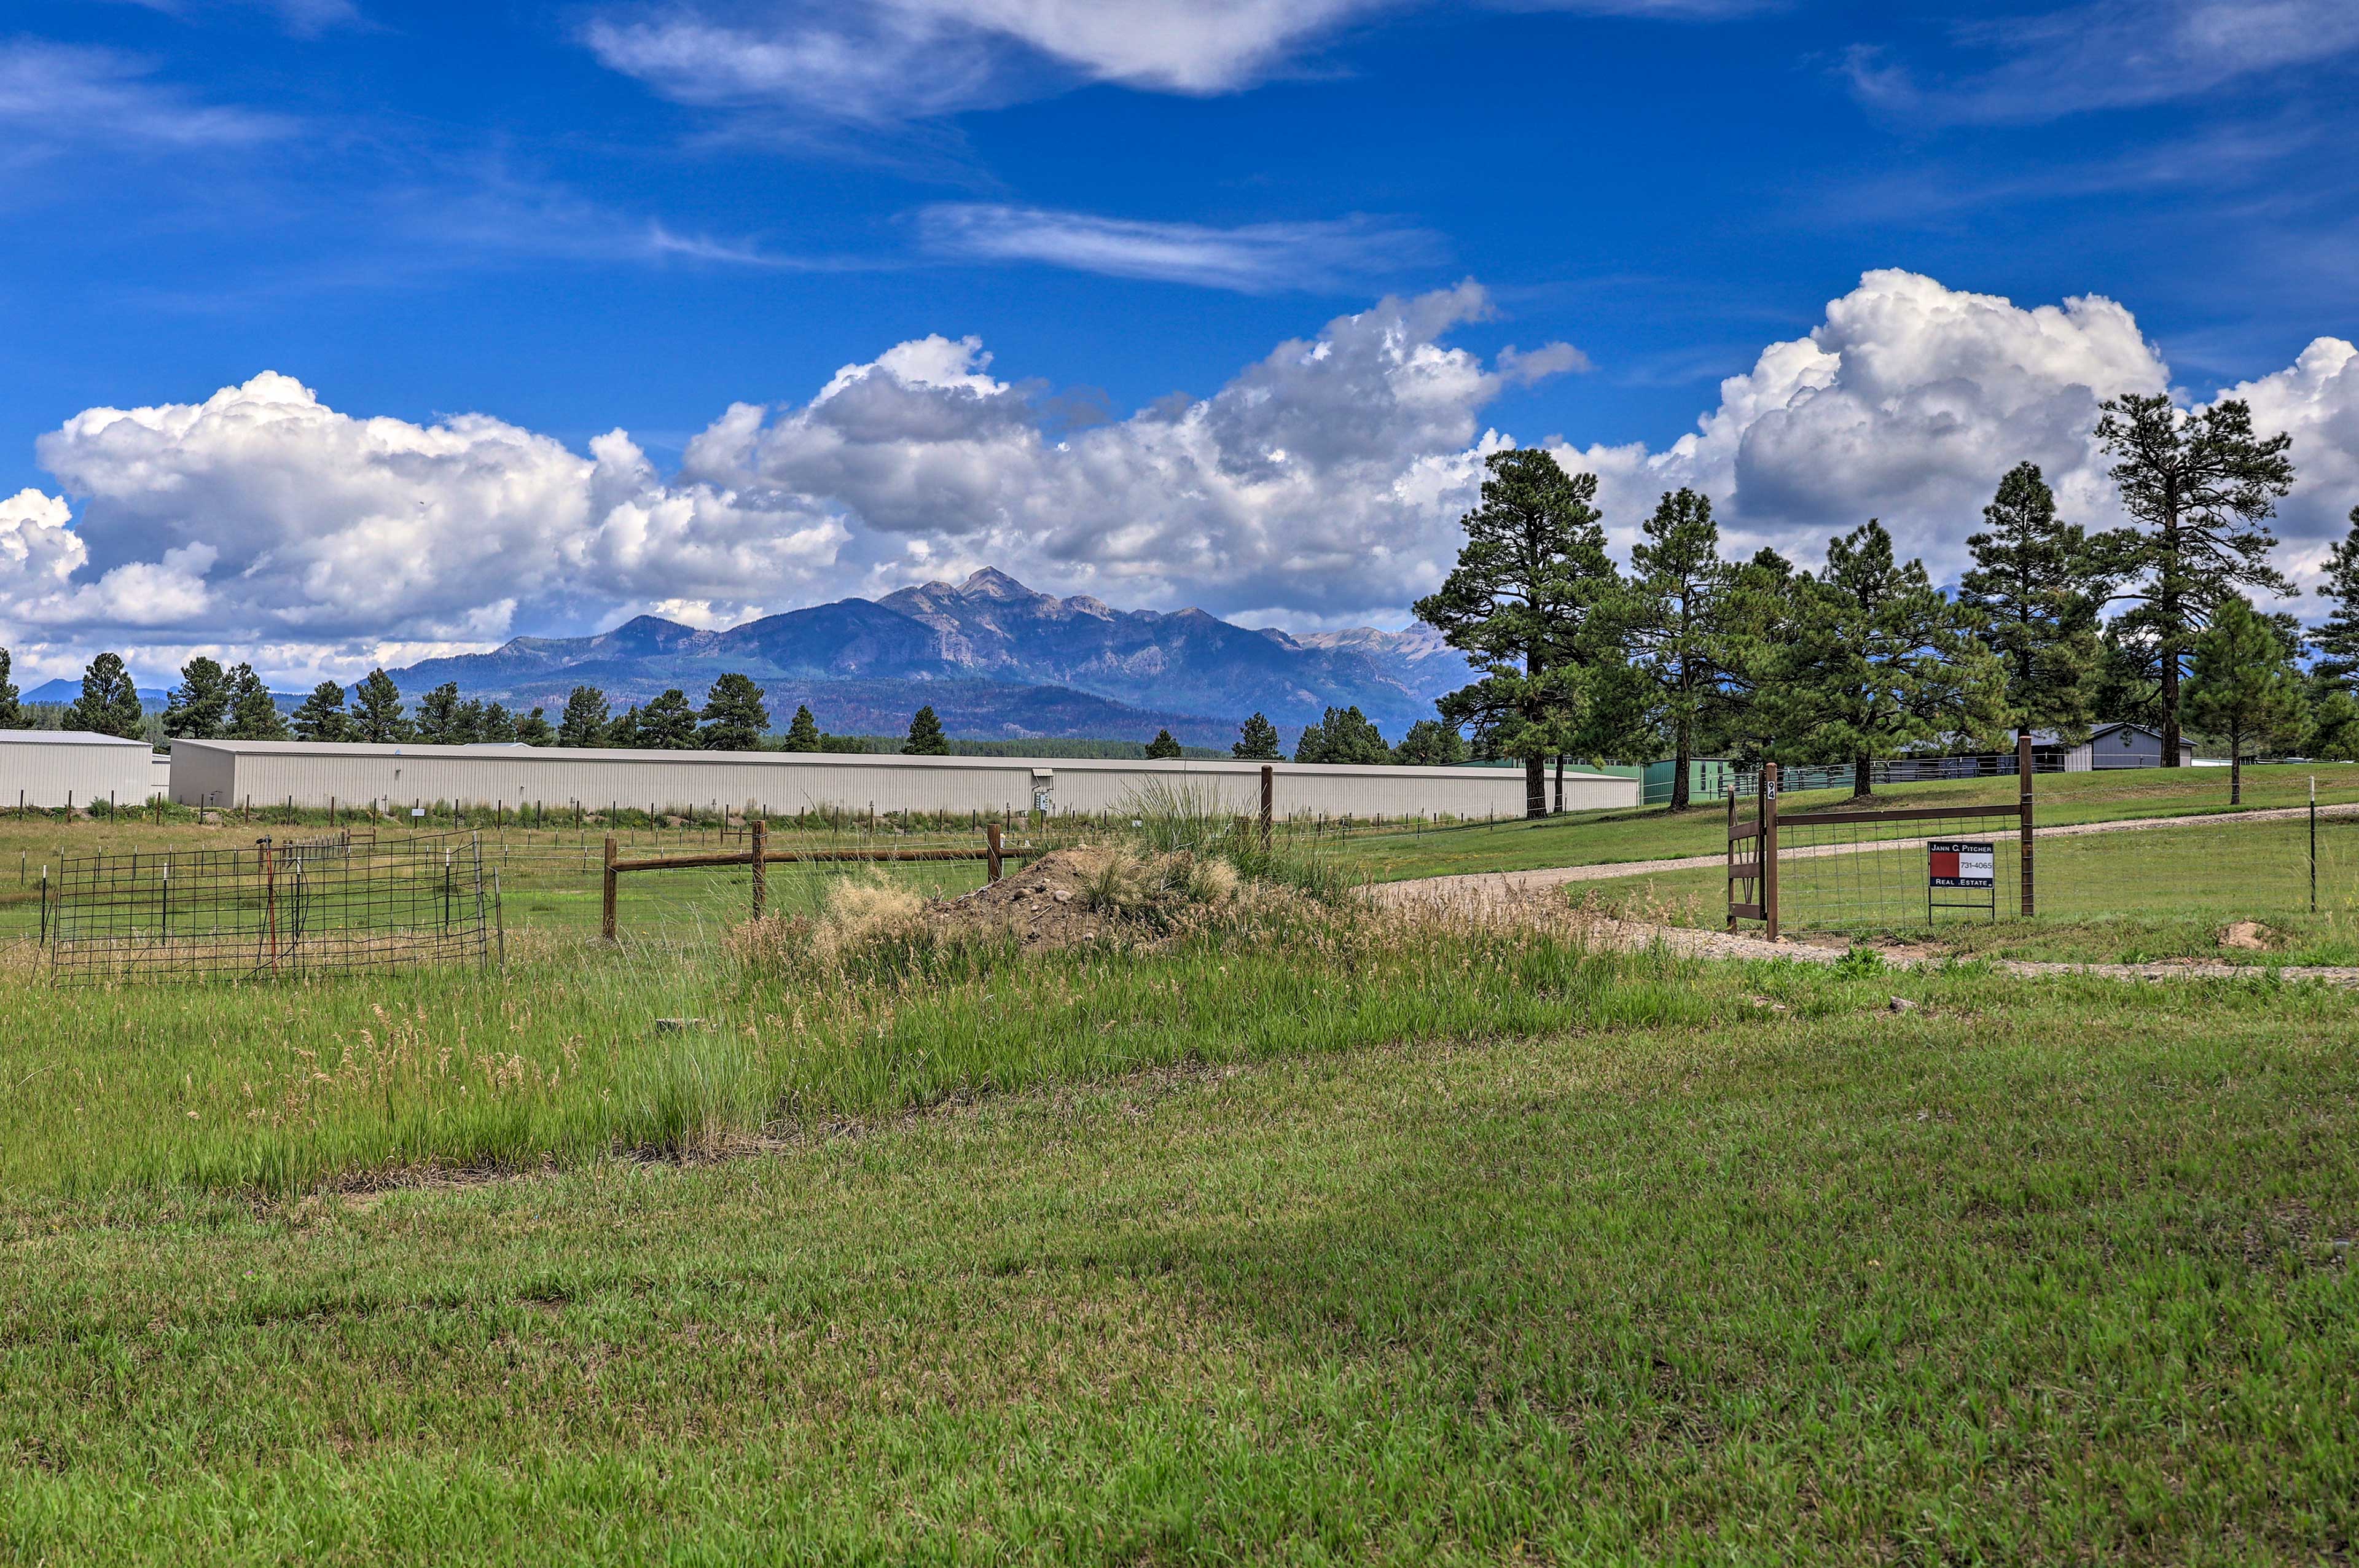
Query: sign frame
1960	865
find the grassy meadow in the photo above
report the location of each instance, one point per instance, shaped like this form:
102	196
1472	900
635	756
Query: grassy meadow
1262	1224
1654	833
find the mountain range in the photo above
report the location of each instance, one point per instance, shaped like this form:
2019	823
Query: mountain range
995	659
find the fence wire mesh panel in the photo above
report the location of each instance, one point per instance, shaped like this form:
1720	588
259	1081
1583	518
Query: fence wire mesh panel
1880	875
333	904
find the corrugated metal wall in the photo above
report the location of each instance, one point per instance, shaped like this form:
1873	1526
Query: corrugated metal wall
59	771
782	783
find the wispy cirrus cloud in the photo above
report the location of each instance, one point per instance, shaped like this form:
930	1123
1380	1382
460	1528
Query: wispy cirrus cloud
58	94
305	18
2109	54
902	60
1252	258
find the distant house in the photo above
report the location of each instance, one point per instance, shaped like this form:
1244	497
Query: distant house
2108	746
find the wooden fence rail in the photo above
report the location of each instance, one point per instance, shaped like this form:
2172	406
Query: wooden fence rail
758	856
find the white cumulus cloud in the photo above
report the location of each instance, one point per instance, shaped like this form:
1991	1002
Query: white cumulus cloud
1320	485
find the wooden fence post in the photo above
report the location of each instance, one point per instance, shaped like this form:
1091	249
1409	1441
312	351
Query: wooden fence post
2023	805
1731	791
991	852
1770	846
606	928
760	831
1268	802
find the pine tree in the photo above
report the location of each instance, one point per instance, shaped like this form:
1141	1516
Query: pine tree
622	735
734	719
442	718
377	711
1431	743
1875	661
1675	622
2201	487
1256	741
667	723
2243	685
322	718
535	730
497	727
2336	637
1518	604
198	706
1342	735
12	711
1163	748
926	737
253	712
2127	688
2037	590
803	735
109	704
585	719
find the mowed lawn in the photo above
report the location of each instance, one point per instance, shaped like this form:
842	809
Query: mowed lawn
1307	1249
1651	833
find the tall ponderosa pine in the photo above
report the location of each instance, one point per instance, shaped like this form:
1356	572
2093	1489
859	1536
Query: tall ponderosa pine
2336	638
926	737
1518	605
1256	741
377	711
2036	590
1431	743
2201	487
734	719
1163	748
1342	735
12	711
1875	661
197	708
2243	685
623	734
322	718
497	727
585	718
109	703
802	735
1676	624
1756	605
535	730
667	723
253	712
442	720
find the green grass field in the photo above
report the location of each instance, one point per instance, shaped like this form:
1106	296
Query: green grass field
1303	1233
1588	839
1314	1247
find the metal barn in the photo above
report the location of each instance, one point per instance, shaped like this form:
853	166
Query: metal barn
226	774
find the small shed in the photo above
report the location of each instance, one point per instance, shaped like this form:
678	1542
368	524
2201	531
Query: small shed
2110	746
50	768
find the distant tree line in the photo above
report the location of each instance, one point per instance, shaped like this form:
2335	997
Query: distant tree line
1689	653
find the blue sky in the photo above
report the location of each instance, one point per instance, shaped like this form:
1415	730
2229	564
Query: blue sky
552	222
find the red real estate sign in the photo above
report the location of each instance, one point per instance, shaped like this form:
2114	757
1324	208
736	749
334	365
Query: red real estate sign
1960	863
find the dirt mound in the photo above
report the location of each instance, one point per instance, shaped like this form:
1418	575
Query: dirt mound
1045	901
2248	935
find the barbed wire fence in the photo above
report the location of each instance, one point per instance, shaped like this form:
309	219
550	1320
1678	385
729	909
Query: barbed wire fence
339	904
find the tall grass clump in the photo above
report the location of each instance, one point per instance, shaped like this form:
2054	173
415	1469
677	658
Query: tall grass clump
1188	817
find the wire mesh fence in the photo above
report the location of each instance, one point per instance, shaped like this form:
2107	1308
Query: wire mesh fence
333	904
2102	849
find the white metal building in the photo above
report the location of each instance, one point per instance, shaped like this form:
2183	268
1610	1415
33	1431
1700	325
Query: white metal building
51	768
395	778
